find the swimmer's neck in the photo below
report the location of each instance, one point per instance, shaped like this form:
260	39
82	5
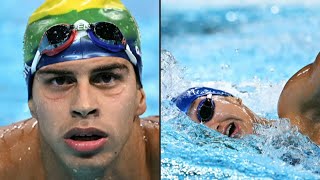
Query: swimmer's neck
129	164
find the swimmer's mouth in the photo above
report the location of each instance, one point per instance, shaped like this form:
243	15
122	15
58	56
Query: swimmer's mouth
231	130
89	134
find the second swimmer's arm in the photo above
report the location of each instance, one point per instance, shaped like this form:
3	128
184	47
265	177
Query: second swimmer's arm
300	99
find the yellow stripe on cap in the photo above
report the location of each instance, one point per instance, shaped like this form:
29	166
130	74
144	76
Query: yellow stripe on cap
56	7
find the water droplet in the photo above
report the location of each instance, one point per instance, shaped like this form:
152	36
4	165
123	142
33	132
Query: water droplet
275	9
231	16
34	124
20	125
271	69
145	138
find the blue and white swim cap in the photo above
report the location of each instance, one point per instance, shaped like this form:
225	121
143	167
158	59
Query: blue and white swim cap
185	99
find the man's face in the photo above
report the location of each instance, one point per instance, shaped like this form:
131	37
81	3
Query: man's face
86	108
230	116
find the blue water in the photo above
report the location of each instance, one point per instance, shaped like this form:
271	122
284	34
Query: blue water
250	51
13	93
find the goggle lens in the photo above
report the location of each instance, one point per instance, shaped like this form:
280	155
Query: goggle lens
205	110
58	34
107	31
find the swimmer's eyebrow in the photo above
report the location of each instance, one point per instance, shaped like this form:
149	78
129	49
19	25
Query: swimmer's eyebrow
54	72
110	67
103	68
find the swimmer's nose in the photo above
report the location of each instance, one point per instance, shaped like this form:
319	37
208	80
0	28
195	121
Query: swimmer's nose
83	113
84	103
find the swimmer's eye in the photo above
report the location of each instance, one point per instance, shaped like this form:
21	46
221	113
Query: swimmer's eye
205	110
60	81
106	78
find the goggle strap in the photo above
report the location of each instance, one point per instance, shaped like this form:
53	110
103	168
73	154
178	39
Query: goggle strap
35	62
132	58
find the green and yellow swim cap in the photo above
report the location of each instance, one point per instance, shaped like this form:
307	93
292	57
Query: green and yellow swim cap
54	12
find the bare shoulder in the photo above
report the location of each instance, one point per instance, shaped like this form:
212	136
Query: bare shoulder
301	91
150	126
17	134
19	149
151	129
299	100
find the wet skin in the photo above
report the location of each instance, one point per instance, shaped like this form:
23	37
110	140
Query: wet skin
87	126
230	117
300	100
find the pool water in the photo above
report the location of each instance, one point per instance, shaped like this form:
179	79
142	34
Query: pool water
13	91
249	51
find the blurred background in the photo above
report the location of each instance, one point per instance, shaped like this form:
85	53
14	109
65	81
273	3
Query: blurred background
13	20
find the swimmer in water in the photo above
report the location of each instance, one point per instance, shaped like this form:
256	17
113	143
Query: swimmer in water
221	111
83	71
218	110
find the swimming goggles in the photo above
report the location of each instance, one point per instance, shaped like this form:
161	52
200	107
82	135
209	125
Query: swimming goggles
205	109
59	37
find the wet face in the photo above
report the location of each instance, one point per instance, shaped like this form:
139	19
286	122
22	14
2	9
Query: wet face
86	109
230	116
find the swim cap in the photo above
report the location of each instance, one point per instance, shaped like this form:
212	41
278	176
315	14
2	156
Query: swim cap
54	12
185	99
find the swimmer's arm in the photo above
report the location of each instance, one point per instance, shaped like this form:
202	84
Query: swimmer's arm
300	98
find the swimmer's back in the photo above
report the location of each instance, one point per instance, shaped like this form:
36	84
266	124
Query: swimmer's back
20	151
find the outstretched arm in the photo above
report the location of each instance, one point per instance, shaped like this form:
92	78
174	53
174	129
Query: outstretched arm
300	100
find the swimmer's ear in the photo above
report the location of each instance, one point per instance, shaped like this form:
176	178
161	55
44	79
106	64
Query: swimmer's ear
32	108
141	102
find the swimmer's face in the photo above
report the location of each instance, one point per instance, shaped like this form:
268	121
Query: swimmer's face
86	109
230	116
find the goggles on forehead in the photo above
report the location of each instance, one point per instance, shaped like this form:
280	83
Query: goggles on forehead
205	109
59	37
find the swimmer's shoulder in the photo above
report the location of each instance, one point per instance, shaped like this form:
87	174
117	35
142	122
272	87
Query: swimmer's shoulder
151	129
150	125
19	150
